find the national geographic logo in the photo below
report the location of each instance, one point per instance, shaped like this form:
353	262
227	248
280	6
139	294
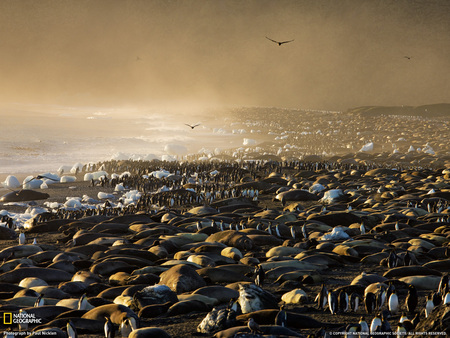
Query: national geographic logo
10	318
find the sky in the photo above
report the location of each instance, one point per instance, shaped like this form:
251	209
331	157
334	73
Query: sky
345	53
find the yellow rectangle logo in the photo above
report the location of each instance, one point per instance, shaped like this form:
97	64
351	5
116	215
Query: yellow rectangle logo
7	318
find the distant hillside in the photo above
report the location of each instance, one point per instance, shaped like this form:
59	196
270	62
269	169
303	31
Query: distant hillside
429	110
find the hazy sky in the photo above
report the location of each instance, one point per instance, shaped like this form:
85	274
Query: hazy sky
109	52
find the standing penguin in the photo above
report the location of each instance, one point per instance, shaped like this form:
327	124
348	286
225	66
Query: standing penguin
443	284
393	302
259	276
393	260
429	306
71	330
281	317
39	301
22	239
109	328
376	323
333	302
363	326
82	302
354	301
411	299
370	301
125	327
322	297
401	331
343	301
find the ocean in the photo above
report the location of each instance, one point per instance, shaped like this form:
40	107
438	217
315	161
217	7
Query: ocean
42	138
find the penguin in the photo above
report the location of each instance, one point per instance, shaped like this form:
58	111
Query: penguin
437	299
343	301
71	330
381	297
429	306
39	301
364	327
370	301
23	324
260	276
322	297
304	232
292	230
411	299
385	326
281	318
392	260
403	317
362	229
82	302
109	328
401	331
277	230
376	322
408	260
351	331
393	302
446	298
22	239
199	225
125	327
333	302
443	284
354	301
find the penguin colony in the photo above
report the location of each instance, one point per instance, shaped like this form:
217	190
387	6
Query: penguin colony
301	249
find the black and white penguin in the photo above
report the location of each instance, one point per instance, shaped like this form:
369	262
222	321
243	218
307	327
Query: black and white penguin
429	305
109	328
281	317
393	260
376	323
343	301
393	302
411	299
39	301
71	330
322	297
364	327
370	301
260	275
355	299
333	302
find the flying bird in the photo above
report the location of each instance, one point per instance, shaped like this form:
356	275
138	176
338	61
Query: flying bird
279	42
192	127
407	57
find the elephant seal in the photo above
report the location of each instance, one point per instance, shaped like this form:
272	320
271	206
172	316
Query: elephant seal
115	312
46	274
149	332
232	238
24	195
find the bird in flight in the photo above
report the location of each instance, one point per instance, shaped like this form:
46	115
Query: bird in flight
279	42
192	127
407	57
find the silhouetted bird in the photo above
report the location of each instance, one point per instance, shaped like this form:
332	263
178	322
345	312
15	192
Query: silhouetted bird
192	127
279	42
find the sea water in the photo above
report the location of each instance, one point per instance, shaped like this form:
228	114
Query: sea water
38	138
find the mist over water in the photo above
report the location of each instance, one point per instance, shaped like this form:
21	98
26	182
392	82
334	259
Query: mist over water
86	79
